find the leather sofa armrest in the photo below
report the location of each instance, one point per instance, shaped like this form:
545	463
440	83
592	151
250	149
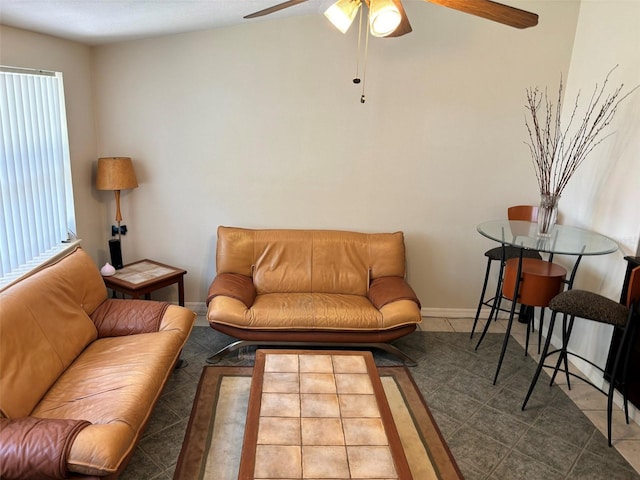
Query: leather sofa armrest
233	285
117	317
384	290
35	447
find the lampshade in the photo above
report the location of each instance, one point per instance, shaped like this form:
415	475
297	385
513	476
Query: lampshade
384	17
115	173
342	13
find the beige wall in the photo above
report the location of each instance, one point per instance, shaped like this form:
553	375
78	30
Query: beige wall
259	125
604	195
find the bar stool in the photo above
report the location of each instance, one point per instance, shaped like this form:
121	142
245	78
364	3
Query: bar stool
530	282
597	308
500	254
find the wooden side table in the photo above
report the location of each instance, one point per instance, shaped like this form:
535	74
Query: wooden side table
145	276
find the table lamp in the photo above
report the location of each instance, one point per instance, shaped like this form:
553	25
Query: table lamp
116	173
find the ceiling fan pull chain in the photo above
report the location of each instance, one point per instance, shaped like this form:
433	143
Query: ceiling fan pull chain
364	67
356	80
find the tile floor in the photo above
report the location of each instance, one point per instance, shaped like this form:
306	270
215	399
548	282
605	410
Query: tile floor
557	436
626	438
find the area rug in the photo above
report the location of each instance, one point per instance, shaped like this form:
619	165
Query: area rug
213	441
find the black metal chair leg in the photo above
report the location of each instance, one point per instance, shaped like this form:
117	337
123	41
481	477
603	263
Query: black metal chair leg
629	334
526	341
505	341
540	329
566	356
540	363
495	308
481	302
563	358
612	383
485	328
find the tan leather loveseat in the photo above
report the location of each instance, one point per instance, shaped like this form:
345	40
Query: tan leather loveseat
311	286
79	373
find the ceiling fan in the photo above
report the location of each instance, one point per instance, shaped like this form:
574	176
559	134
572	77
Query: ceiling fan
387	18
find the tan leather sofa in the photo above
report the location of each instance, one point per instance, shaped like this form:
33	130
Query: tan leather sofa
79	373
290	287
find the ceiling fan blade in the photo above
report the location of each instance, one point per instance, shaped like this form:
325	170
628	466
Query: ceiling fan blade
497	12
275	8
405	26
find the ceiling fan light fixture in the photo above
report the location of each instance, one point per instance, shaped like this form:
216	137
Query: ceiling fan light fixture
384	17
342	13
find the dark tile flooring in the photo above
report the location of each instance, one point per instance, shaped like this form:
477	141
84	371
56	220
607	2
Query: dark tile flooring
490	437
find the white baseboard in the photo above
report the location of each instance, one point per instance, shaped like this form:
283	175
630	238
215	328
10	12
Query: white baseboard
458	313
200	308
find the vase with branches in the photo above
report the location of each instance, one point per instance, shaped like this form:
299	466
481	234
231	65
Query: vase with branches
556	150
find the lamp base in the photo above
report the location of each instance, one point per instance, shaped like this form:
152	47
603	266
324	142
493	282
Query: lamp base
116	254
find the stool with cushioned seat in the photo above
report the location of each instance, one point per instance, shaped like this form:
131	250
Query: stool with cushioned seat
597	308
530	282
502	254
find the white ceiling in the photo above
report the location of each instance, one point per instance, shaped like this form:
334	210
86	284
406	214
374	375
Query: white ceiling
96	22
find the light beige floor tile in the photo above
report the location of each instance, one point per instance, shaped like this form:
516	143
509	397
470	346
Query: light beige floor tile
620	430
517	328
434	324
497	326
561	377
630	450
466	324
585	396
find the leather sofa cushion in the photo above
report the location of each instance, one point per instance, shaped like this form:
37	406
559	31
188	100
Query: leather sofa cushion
319	311
112	384
313	261
45	318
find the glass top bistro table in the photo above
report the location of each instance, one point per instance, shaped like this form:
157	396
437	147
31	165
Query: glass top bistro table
563	240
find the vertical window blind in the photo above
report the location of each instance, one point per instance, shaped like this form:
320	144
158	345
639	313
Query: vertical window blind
37	212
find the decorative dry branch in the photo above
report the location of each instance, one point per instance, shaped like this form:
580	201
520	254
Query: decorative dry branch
556	153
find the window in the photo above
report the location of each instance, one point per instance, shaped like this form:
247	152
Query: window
36	211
